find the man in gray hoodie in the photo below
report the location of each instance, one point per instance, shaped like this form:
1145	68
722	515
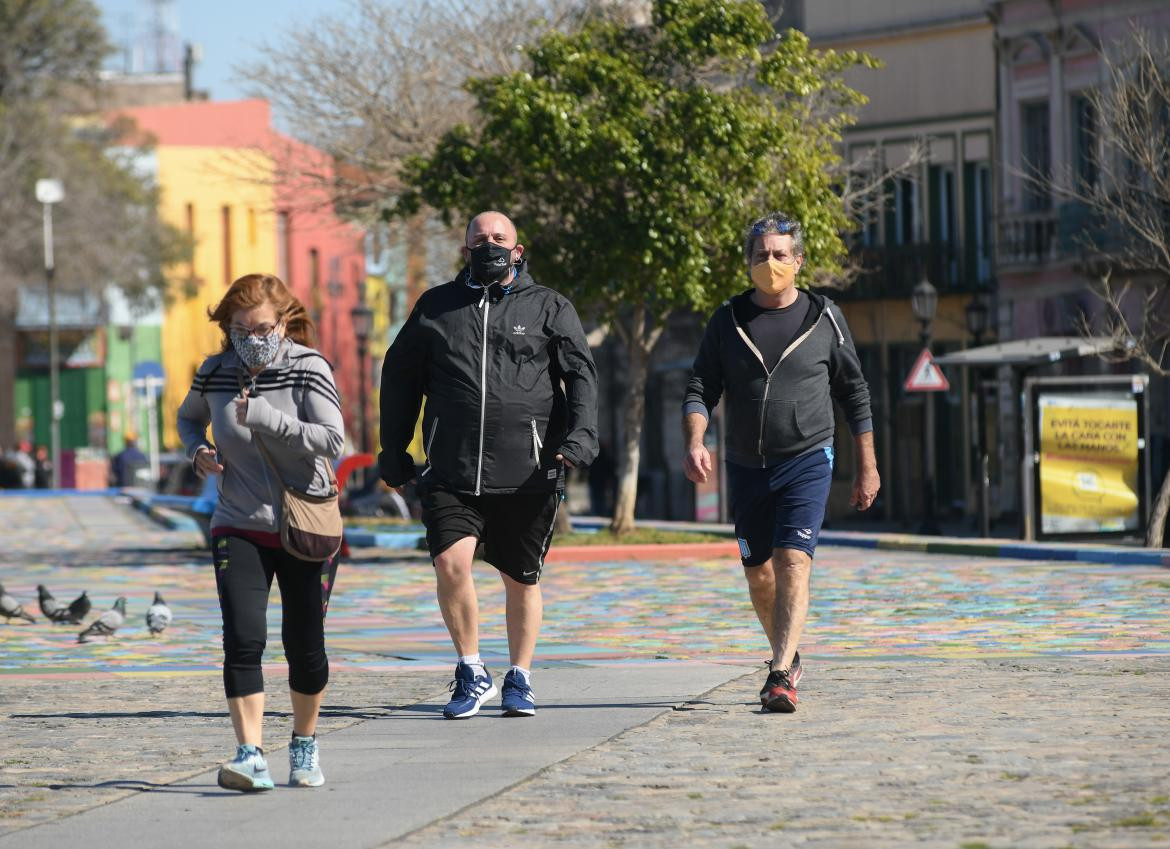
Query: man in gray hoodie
780	356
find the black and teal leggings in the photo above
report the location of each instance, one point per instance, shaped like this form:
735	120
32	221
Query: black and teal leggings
243	577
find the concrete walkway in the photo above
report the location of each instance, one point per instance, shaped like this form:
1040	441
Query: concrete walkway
388	776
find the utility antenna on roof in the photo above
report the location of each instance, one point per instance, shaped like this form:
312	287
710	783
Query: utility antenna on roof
163	46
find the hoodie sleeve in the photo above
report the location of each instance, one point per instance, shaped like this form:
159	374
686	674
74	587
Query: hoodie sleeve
848	384
403	380
705	387
322	431
575	362
195	415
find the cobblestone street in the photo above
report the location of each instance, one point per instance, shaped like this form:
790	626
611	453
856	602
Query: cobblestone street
948	701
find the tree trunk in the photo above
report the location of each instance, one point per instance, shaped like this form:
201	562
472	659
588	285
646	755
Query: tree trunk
1156	532
640	339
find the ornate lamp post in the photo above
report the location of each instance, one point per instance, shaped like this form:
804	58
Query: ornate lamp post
50	192
977	320
977	316
362	318
924	303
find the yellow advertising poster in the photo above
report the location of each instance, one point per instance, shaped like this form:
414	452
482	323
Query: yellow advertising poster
1088	464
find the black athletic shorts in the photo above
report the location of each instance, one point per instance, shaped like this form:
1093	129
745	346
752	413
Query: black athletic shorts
515	529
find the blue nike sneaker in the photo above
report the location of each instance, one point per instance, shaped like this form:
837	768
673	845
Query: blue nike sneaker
468	692
517	699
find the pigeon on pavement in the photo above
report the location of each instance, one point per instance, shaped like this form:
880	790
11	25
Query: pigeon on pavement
55	611
106	624
158	616
10	608
79	608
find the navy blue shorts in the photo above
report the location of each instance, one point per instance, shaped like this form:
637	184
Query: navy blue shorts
781	506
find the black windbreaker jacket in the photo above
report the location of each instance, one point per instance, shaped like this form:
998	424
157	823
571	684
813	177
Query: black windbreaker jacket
490	363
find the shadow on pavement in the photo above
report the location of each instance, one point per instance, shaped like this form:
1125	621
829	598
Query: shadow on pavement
204	790
349	713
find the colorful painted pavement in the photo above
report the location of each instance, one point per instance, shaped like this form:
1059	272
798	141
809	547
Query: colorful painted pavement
866	604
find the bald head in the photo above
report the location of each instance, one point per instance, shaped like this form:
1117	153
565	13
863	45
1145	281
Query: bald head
491	226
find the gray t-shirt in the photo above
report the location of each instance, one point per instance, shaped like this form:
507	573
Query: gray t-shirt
772	330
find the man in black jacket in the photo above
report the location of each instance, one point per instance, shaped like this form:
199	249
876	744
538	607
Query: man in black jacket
780	356
489	351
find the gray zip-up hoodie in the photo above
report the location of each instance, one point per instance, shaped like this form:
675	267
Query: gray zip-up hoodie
778	414
294	407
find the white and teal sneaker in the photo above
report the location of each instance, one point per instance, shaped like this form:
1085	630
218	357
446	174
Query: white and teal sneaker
304	763
247	772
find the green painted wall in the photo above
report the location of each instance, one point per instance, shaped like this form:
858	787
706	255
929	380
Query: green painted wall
98	411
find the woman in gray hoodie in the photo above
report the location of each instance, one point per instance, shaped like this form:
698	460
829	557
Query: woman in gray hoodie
267	383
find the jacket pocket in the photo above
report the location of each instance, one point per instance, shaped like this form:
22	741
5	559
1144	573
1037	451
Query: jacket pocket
781	430
537	445
429	443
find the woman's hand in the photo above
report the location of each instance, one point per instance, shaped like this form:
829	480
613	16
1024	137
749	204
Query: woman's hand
241	406
205	463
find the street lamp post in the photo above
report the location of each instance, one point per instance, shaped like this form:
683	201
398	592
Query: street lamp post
50	192
977	316
924	303
362	318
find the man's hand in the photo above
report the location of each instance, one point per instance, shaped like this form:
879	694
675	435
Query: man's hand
241	406
569	463
697	463
865	487
205	463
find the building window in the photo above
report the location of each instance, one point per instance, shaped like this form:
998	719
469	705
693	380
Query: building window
905	201
1084	140
190	216
1035	153
283	257
226	213
943	261
982	222
315	300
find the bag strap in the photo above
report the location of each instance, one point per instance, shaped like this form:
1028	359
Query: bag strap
268	456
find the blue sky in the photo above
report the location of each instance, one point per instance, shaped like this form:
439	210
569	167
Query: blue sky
228	31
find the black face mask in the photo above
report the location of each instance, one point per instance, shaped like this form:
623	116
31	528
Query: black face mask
490	263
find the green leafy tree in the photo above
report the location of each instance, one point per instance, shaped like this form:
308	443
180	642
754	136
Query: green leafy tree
107	232
632	155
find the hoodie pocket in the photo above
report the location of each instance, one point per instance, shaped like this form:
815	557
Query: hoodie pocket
781	430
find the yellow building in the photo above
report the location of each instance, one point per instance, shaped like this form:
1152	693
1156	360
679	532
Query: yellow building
217	186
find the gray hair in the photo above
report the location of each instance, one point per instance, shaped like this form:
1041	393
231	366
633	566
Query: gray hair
773	222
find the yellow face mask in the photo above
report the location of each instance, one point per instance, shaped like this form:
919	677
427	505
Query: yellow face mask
773	277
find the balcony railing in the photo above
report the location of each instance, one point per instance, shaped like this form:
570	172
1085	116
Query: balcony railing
893	272
1029	239
1065	233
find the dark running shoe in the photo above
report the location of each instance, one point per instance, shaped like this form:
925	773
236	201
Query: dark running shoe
468	692
779	693
517	698
794	671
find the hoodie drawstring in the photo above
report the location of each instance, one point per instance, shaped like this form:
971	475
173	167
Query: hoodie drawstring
837	327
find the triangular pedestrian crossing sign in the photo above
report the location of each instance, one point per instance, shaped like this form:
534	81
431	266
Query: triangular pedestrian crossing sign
925	376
